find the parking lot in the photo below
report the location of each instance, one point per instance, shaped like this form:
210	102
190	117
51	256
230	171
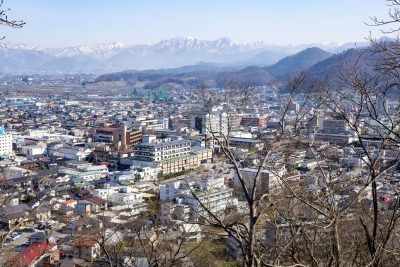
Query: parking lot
18	240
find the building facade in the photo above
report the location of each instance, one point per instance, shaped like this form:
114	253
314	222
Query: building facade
5	143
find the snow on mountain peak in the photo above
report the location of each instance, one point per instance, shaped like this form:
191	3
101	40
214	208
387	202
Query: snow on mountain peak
100	50
18	46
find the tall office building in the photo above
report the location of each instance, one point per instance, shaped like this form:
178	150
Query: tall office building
5	143
207	123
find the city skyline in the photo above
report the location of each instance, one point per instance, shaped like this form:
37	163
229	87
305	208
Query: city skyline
72	23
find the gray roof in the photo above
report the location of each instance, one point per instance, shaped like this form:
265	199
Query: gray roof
15	209
161	144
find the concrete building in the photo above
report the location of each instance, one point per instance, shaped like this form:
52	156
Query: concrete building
119	136
139	173
255	120
86	247
208	123
123	198
171	155
16	172
335	130
267	180
210	194
85	172
5	143
30	151
69	152
153	149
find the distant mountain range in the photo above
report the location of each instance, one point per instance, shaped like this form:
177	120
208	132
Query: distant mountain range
171	53
298	62
315	62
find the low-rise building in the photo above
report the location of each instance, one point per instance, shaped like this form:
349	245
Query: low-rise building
122	198
85	172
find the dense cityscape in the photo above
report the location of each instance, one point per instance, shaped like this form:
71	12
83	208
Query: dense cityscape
294	162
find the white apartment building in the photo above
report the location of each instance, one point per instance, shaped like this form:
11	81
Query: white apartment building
33	150
207	123
5	143
153	149
139	173
123	198
210	194
169	155
16	172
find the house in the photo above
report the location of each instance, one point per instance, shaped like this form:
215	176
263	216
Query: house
30	165
13	215
190	232
171	211
97	204
70	203
71	262
83	207
36	254
86	247
81	224
38	237
67	210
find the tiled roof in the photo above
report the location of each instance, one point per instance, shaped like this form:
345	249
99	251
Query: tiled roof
85	241
33	252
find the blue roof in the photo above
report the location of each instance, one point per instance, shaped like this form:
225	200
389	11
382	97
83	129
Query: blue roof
99	181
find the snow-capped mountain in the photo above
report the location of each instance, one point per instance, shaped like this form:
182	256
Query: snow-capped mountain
175	52
10	46
190	43
100	51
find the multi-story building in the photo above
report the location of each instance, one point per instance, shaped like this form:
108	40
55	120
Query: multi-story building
335	130
5	143
14	172
133	136
119	136
211	123
149	124
334	125
153	149
123	198
254	120
167	155
33	150
193	198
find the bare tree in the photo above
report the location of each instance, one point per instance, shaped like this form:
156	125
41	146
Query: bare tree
6	21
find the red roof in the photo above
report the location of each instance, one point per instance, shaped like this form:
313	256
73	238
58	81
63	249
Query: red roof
85	241
110	128
33	252
70	201
96	200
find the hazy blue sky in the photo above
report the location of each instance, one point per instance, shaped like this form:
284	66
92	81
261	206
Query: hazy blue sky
56	23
